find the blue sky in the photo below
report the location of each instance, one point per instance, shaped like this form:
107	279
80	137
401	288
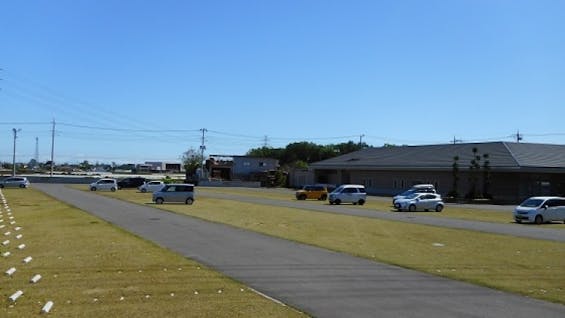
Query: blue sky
129	81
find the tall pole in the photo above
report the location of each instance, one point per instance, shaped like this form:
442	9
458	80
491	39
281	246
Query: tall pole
52	147
202	148
14	156
361	139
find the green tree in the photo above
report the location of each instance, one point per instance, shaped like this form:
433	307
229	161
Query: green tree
191	160
455	172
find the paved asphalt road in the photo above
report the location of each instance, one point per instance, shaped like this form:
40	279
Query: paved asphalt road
520	230
314	280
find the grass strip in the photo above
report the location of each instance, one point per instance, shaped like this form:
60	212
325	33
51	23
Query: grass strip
93	269
450	211
534	268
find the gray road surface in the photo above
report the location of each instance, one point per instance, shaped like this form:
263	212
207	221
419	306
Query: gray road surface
314	280
520	230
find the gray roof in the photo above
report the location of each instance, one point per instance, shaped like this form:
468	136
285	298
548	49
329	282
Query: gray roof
501	155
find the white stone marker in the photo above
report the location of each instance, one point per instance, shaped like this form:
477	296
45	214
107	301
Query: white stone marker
47	307
27	259
19	236
21	246
7	233
6	242
35	279
18	228
16	295
6	254
11	271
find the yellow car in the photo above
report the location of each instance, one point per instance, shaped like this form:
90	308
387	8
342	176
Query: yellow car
312	192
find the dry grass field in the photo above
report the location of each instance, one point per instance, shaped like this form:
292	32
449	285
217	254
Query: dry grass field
91	269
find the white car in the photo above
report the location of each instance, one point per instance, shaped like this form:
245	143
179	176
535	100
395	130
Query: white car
14	182
418	188
348	193
420	202
151	186
104	184
540	210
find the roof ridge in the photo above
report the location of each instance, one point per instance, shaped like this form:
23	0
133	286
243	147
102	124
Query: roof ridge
511	153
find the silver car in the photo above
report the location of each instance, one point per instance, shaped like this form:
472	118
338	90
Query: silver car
540	210
420	202
15	182
151	186
183	193
104	184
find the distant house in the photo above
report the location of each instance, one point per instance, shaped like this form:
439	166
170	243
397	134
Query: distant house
165	167
507	171
227	167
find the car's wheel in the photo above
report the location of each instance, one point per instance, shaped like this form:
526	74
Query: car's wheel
412	208
323	197
439	208
338	201
538	219
92	188
22	186
518	221
113	189
189	201
361	202
302	197
159	200
143	190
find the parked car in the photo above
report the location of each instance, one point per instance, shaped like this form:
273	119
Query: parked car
317	192
133	182
348	193
540	210
104	184
15	182
421	202
417	188
175	193
151	186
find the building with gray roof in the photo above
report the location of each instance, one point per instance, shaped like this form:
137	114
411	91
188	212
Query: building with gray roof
505	171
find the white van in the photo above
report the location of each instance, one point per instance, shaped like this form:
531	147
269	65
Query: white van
540	210
349	193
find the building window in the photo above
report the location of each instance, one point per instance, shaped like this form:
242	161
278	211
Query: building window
246	163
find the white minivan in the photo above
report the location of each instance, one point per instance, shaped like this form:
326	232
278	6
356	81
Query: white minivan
349	193
540	210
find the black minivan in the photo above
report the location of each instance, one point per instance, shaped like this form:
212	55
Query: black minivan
133	182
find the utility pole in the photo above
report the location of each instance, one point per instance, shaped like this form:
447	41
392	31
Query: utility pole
202	148
52	146
361	139
265	141
519	137
14	157
455	140
36	150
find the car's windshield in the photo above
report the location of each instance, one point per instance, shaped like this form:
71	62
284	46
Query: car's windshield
407	193
413	196
532	203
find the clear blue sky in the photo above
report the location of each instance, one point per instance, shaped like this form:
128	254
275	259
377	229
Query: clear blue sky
129	81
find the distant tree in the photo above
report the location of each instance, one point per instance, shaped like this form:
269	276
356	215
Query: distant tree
295	154
474	171
85	165
455	173
486	176
191	160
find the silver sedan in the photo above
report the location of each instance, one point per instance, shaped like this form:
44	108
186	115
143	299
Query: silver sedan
420	202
